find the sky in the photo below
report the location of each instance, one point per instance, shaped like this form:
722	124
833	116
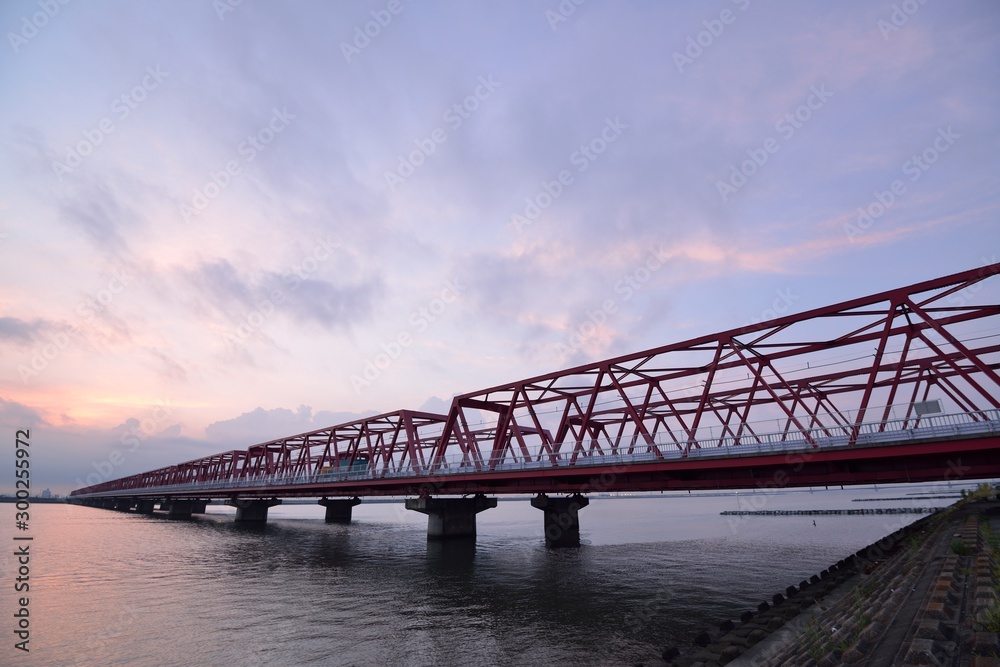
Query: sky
225	222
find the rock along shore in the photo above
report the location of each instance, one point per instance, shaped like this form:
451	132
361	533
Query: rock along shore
925	594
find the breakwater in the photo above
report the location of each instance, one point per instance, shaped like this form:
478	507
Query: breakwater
873	510
908	498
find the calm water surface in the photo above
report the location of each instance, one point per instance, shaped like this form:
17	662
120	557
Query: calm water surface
116	589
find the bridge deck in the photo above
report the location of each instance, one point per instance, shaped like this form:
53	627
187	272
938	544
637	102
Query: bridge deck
953	446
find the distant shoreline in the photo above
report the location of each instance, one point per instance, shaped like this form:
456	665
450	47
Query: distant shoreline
33	499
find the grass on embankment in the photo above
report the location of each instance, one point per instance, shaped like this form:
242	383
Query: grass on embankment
992	621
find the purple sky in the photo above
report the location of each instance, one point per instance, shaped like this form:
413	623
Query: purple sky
222	224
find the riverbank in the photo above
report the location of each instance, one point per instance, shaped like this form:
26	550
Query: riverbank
925	594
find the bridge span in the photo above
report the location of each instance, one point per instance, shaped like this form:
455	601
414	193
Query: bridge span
900	386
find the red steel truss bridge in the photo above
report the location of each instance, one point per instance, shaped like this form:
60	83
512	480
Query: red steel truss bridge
900	386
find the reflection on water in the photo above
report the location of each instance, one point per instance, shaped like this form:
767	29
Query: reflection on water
110	588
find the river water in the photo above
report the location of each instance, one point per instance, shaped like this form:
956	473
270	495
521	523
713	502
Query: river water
108	588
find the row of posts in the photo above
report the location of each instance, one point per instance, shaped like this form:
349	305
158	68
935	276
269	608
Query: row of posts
446	517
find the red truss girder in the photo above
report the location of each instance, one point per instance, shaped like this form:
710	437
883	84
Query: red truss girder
633	401
381	444
816	374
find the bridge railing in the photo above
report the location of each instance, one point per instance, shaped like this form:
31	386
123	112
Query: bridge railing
894	431
602	452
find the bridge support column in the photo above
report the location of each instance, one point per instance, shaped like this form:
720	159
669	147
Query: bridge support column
252	511
339	510
451	517
562	523
106	503
144	506
122	504
182	509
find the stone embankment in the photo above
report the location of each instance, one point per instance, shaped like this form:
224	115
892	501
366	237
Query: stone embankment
926	594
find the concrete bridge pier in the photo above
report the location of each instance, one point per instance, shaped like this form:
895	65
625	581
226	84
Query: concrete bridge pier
562	523
451	517
252	511
183	509
339	510
106	503
123	504
144	506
